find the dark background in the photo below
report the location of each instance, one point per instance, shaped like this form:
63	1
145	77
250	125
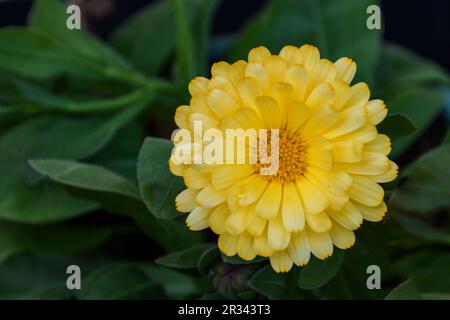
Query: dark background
422	26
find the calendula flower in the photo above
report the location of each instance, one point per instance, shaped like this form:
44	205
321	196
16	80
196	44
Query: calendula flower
331	158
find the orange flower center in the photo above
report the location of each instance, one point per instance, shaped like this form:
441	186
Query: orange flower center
291	157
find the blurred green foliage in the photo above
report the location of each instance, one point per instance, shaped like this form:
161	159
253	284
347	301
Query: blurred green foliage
78	177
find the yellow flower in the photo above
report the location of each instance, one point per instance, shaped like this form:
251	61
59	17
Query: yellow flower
331	157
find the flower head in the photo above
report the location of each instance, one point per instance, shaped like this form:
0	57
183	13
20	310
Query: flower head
330	158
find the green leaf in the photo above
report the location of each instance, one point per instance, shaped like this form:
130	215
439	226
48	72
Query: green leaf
432	278
48	100
33	54
50	17
201	24
422	105
40	276
405	291
423	231
185	44
175	284
237	260
51	142
269	283
16	238
117	195
426	187
33	204
319	272
337	28
85	176
396	125
400	69
120	281
447	138
185	259
207	259
120	154
157	184
136	37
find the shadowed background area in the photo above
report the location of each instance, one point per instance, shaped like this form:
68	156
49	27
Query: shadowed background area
418	25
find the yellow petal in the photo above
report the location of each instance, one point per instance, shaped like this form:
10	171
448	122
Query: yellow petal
255	225
227	244
321	244
210	197
313	200
364	134
280	261
221	103
181	116
349	216
360	96
346	69
248	118
226	176
259	54
237	71
194	179
298	249
349	120
347	151
269	110
290	55
310	56
217	219
282	92
258	72
269	203
336	181
235	223
297	114
177	169
342	237
322	159
248	89
342	93
325	72
371	164
373	214
262	245
320	120
276	68
245	248
320	95
366	191
297	77
319	222
381	144
207	122
198	85
254	191
337	201
292	209
225	85
185	200
199	104
277	234
376	111
198	219
389	176
236	190
220	69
